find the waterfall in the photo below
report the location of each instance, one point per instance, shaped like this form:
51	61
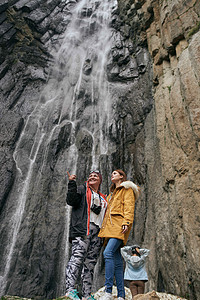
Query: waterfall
84	54
74	106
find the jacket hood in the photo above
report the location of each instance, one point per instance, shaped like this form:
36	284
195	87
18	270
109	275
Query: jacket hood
129	184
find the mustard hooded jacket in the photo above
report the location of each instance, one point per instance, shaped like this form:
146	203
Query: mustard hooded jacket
120	211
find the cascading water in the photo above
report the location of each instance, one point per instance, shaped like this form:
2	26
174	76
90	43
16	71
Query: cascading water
72	114
82	61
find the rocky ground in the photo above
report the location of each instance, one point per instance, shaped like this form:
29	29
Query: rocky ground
152	295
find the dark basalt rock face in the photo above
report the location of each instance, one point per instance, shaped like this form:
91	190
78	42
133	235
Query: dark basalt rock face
24	59
75	94
38	150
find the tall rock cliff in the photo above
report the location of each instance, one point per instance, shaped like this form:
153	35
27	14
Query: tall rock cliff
77	93
170	30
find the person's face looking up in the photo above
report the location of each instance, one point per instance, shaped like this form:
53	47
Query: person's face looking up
94	179
116	177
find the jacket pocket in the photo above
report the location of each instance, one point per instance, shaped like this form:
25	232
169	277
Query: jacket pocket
117	207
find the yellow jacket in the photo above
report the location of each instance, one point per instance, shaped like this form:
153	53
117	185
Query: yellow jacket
120	211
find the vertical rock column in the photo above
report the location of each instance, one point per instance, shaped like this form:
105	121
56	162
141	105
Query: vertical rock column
170	30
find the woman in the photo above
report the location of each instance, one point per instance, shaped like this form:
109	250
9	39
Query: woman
115	229
88	209
135	272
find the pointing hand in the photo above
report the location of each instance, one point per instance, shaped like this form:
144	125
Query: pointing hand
71	177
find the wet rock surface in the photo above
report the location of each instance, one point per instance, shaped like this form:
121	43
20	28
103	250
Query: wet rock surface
150	128
43	136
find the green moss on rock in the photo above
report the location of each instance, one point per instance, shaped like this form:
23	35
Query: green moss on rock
194	30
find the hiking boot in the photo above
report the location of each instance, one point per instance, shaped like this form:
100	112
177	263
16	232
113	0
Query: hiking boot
72	295
106	296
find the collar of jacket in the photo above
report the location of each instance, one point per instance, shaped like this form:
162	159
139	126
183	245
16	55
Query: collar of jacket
129	184
98	192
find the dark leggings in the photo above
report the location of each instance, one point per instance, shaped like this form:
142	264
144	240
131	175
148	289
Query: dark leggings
136	287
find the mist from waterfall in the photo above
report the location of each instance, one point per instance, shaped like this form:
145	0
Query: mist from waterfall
76	96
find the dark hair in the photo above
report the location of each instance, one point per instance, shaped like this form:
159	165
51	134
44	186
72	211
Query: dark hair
123	179
134	251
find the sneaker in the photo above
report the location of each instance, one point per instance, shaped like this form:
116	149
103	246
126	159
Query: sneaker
120	298
106	296
72	295
91	297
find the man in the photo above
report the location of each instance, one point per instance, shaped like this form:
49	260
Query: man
88	209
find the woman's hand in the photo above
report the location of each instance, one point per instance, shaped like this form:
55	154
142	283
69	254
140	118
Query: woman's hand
71	177
124	228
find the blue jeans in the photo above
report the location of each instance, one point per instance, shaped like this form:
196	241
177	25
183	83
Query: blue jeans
114	267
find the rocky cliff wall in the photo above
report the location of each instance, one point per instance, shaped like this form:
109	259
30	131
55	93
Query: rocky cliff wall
155	139
26	32
170	29
57	114
28	36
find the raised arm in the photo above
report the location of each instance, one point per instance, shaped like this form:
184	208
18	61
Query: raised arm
125	252
73	197
135	261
